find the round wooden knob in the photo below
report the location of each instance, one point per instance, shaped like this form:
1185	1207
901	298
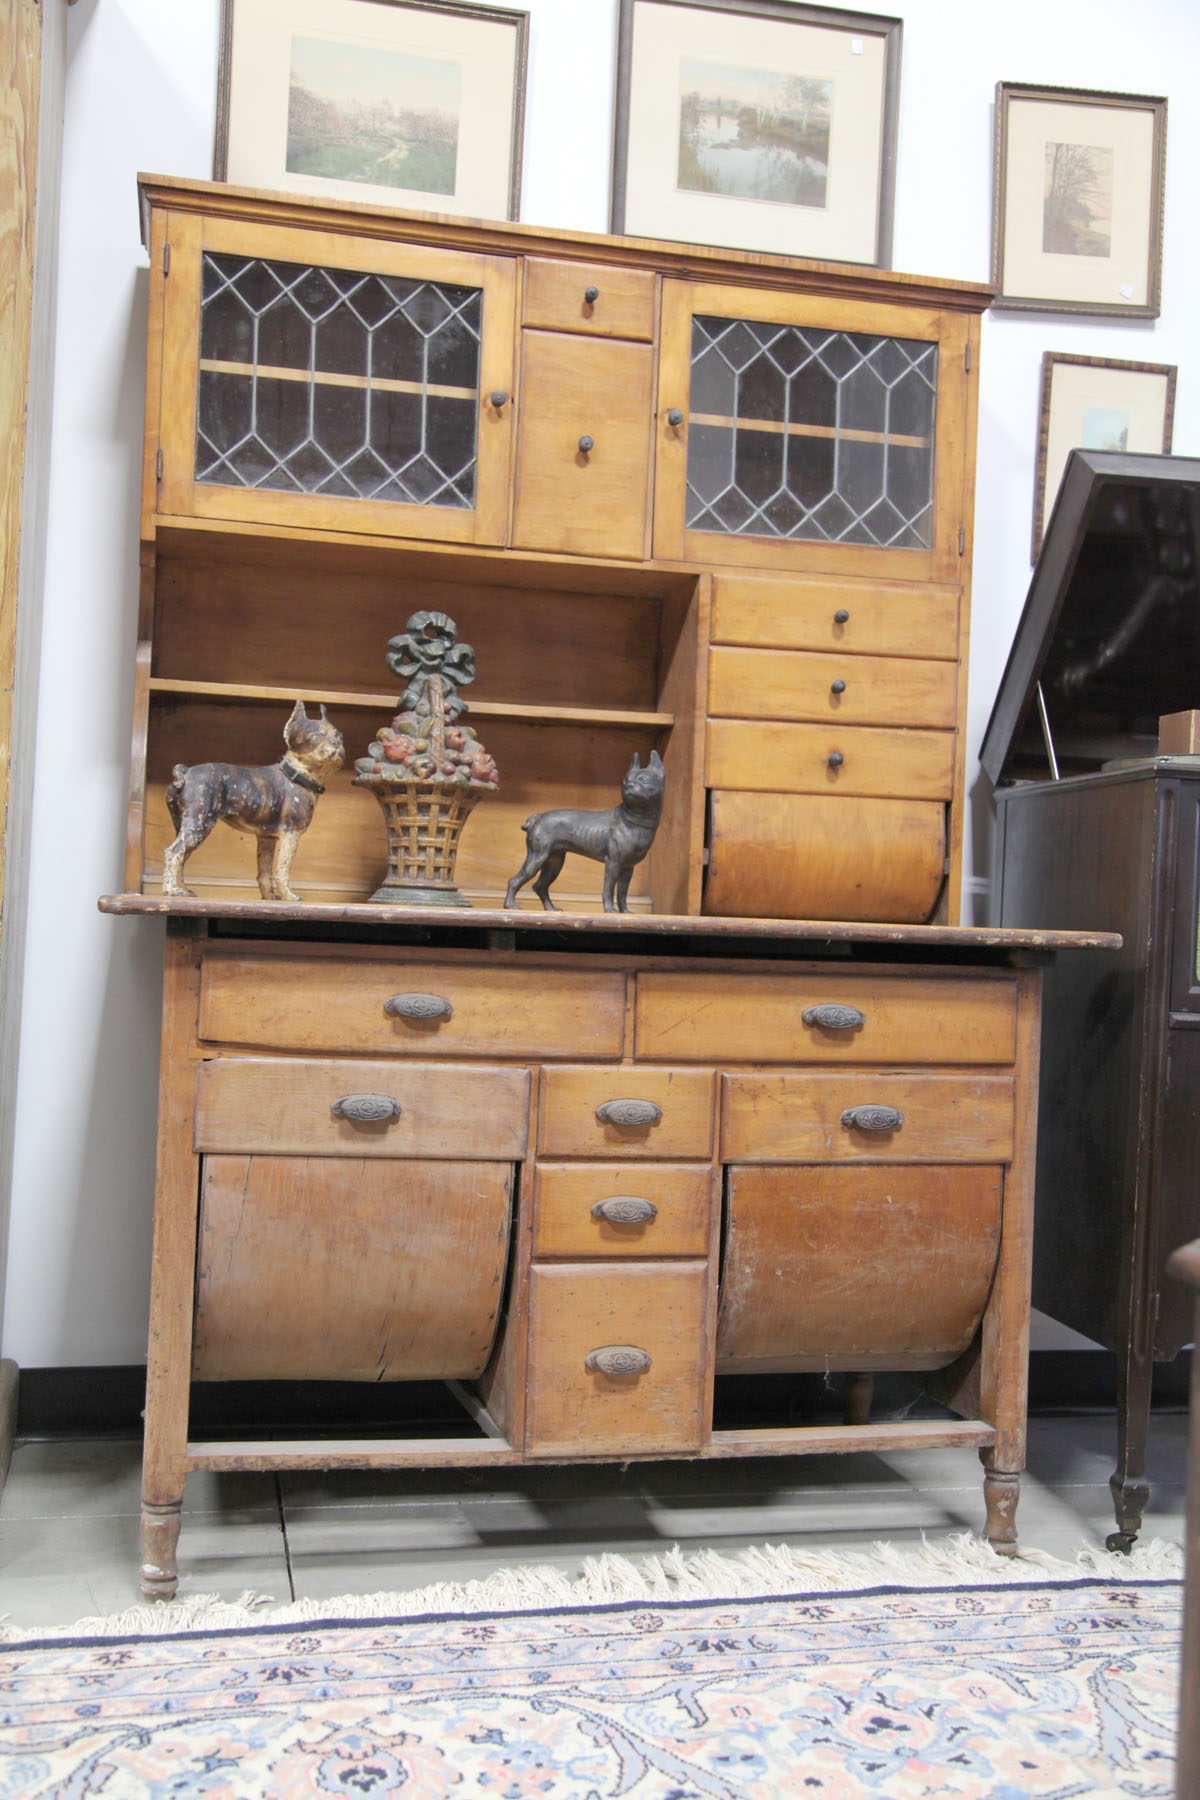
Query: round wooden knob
498	398
587	443
835	759
838	686
591	295
840	616
674	417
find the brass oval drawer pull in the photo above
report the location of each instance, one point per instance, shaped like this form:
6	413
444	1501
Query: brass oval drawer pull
366	1109
834	1017
629	1112
418	1006
872	1118
618	1359
625	1209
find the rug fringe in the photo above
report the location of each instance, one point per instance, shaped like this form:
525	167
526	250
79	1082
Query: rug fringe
960	1560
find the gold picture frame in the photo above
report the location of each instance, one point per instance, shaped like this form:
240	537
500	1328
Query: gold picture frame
1077	223
402	103
1097	403
759	125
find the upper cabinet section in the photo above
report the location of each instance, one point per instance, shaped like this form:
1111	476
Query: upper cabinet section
312	378
320	366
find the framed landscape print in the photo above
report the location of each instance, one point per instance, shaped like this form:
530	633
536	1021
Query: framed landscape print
1092	403
415	103
757	124
1078	208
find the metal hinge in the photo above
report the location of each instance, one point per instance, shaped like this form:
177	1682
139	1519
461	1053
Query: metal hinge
962	540
967	357
166	259
158	464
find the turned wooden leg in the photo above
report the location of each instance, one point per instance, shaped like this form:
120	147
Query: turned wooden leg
160	1545
1001	1491
859	1392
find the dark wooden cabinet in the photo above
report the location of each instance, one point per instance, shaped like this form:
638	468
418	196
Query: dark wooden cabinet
1109	643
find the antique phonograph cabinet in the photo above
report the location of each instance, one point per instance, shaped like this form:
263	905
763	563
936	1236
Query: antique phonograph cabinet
778	1117
1093	750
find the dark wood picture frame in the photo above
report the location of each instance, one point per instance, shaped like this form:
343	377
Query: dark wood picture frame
1093	242
1051	463
464	13
628	165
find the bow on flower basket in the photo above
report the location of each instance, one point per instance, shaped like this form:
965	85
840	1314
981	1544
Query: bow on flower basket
427	769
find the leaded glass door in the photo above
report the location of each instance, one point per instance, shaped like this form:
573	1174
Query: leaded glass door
801	433
314	379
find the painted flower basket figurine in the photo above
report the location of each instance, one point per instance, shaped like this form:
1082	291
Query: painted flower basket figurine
427	769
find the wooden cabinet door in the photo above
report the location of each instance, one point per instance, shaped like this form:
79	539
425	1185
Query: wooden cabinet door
583	445
811	433
320	379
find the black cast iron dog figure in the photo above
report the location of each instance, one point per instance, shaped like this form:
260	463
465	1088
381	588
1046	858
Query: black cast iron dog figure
619	838
275	803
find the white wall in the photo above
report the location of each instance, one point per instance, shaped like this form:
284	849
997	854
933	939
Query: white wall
141	85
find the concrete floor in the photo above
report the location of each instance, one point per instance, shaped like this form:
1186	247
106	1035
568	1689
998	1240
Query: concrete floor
69	1515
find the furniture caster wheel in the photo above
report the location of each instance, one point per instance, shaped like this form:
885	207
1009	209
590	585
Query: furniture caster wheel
1120	1542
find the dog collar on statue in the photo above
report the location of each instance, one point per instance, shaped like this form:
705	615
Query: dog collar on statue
299	776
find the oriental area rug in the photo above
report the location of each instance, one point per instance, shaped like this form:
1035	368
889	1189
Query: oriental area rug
904	1674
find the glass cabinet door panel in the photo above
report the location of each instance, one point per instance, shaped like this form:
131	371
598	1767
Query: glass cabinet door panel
342	391
799	431
810	433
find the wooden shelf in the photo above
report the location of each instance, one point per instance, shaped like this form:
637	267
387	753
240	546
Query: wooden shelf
235	692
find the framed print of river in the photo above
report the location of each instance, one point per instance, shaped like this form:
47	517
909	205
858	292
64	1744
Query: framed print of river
381	102
757	124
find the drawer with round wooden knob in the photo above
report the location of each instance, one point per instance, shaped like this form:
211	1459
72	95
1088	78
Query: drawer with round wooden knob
597	299
608	1210
766	756
624	1112
842	688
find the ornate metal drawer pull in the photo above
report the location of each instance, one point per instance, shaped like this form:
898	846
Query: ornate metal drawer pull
834	1017
618	1359
418	1006
366	1109
872	1118
629	1112
625	1209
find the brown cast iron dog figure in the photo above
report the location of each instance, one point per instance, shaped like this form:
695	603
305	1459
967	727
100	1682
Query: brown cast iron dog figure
619	838
276	804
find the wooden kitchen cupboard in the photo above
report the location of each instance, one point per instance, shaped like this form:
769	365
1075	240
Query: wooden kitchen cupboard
583	1167
1097	825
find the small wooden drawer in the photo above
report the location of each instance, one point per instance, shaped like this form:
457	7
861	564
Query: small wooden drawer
599	299
664	1113
647	1394
372	1005
840	689
583	445
862	858
880	619
767	757
604	1209
824	1018
870	1115
361	1109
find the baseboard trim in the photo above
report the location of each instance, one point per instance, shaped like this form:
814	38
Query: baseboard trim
108	1400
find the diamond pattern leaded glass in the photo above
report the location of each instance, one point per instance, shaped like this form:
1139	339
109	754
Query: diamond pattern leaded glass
329	381
806	433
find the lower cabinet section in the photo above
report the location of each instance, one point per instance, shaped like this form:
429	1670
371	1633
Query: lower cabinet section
729	1166
617	1359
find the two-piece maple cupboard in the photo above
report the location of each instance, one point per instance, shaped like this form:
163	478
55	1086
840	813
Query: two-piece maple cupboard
579	1166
